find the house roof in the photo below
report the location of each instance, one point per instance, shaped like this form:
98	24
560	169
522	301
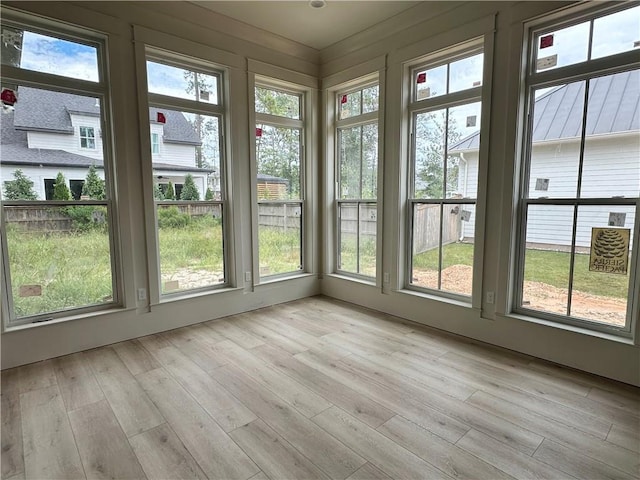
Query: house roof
45	110
614	107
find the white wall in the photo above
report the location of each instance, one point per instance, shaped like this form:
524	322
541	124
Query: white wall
67	142
174	154
39	174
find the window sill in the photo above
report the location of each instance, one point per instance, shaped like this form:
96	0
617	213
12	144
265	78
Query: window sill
283	278
69	318
436	298
360	280
621	337
176	297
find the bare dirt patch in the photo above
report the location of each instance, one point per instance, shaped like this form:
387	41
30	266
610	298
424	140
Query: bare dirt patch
188	279
540	296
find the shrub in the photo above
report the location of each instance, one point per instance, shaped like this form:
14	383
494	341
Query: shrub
169	194
157	193
85	218
60	189
171	217
21	188
208	194
189	189
93	187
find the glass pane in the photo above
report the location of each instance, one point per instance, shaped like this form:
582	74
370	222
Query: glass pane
463	143
43	118
426	245
562	47
556	132
430	133
279	237
466	73
46	54
370	99
547	258
277	103
612	146
59	257
350	155
601	271
616	33
278	156
350	104
457	248
367	239
181	83
190	241
431	83
348	260
369	161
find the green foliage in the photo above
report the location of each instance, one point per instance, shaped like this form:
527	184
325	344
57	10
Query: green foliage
157	193
60	189
278	250
359	162
20	188
87	217
189	189
169	193
94	186
208	194
206	127
171	217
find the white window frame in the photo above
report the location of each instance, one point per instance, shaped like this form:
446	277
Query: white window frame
87	135
98	89
361	120
584	70
475	94
155	143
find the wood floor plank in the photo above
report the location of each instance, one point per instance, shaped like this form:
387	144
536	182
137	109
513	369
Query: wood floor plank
223	407
163	456
576	464
135	357
332	456
578	441
443	455
198	348
260	476
254	325
12	461
276	457
49	448
626	401
507	459
77	382
391	458
103	446
391	341
228	329
132	407
627	436
36	375
492	425
393	399
296	394
361	407
369	472
210	446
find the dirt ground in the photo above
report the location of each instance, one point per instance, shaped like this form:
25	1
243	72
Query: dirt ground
539	296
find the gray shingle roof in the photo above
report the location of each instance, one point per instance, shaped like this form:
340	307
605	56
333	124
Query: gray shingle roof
614	107
177	129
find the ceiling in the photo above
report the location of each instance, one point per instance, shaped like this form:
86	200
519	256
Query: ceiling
315	27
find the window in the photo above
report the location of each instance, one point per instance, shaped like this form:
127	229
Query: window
75	187
280	192
581	176
445	143
357	180
58	256
87	138
155	143
187	111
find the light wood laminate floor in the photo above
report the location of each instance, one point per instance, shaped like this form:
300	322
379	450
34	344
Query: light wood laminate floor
313	389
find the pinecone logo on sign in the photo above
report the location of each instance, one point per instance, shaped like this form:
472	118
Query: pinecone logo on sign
609	250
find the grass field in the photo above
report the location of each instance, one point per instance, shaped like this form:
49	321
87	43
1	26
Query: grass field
74	268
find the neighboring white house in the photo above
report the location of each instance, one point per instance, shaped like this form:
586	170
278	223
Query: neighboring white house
51	132
611	165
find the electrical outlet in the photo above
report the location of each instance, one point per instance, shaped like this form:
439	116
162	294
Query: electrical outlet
491	296
247	276
142	294
386	277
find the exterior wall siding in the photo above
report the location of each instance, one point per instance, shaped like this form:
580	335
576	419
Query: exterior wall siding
39	174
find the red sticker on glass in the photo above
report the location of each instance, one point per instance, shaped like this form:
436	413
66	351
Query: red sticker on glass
477	84
258	132
546	41
422	77
161	118
8	97
343	99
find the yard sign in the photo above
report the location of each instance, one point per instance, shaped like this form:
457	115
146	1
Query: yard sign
609	250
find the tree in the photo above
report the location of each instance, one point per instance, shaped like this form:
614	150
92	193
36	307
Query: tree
206	127
208	194
189	189
20	188
169	194
94	186
157	193
60	189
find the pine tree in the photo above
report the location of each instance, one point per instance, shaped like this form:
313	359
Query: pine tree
157	193
21	188
93	187
60	189
169	194
189	190
208	194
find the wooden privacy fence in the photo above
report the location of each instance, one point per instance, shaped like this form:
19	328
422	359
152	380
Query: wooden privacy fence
349	218
426	226
37	218
280	215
